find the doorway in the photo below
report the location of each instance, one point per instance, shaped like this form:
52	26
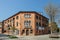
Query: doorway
27	32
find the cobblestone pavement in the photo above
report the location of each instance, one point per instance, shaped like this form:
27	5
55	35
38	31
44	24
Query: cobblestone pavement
41	37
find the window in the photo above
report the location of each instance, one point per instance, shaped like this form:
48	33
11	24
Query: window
11	21
16	23
13	18
8	21
16	32
16	17
38	24
27	15
27	23
40	17
9	27
37	17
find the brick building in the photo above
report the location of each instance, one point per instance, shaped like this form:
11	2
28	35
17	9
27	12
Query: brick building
26	23
0	27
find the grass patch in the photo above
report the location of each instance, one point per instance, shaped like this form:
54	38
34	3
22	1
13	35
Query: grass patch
12	37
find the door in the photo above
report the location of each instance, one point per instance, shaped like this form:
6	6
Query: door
27	32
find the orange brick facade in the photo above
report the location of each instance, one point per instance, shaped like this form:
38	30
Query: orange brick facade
26	23
0	27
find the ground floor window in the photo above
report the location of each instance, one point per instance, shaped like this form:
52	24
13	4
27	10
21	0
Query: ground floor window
16	32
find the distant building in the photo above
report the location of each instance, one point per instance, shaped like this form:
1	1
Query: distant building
26	23
0	27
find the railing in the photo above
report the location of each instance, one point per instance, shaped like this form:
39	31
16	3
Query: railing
27	27
40	28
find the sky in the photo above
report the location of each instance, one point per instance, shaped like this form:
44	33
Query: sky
11	7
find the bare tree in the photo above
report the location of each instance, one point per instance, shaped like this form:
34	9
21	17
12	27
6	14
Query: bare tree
52	11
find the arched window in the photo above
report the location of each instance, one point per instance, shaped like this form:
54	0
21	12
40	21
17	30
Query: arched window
17	17
27	23
27	15
16	23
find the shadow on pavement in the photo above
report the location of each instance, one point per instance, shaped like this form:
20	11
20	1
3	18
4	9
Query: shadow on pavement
3	35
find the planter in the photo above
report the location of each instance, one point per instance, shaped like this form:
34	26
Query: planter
54	36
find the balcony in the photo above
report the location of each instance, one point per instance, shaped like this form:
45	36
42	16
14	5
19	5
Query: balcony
40	28
28	27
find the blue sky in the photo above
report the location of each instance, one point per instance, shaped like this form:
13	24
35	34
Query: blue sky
10	7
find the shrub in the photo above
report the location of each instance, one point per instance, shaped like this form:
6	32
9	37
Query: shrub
12	37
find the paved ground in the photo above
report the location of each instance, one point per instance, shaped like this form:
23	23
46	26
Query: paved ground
41	37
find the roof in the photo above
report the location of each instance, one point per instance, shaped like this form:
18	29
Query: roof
24	12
